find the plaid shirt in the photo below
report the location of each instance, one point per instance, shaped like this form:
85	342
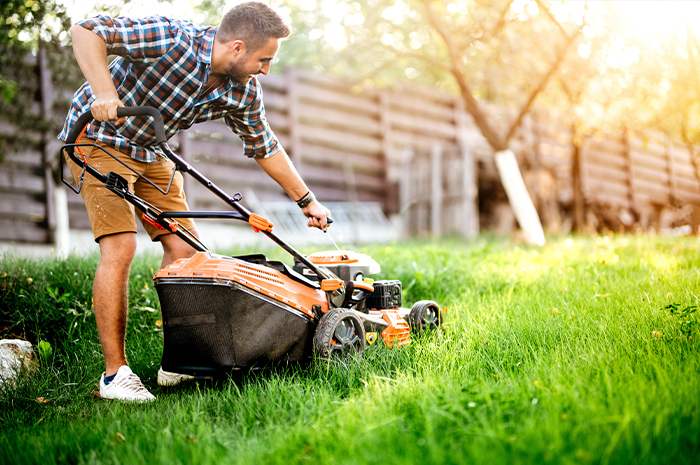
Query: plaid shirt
165	63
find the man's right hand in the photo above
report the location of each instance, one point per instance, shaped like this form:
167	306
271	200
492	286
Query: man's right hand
105	109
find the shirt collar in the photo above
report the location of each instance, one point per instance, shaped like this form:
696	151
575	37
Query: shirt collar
207	45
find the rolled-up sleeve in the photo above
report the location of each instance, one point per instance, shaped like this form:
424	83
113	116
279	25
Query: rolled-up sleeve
251	126
139	39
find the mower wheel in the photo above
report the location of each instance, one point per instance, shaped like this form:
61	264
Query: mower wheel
425	316
340	333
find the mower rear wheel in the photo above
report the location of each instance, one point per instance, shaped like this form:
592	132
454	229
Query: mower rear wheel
425	316
340	333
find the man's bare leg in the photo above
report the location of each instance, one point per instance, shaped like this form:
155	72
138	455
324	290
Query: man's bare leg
110	296
175	248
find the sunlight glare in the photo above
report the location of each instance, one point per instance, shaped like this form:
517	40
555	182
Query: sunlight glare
655	17
185	9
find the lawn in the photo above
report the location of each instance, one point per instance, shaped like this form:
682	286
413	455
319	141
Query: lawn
584	351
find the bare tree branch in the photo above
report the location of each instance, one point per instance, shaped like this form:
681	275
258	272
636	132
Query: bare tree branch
432	61
543	82
689	44
545	7
567	89
471	104
540	87
500	24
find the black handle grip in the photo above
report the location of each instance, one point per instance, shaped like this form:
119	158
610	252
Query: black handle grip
86	117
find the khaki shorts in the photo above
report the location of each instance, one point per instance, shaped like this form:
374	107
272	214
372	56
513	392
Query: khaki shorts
109	213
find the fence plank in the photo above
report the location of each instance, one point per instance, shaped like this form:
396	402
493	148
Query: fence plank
341	140
313	115
30	207
418	124
23	231
331	99
363	163
22	180
417	104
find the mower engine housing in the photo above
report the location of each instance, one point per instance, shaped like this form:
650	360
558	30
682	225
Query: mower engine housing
346	265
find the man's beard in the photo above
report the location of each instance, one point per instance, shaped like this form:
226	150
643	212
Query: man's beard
235	72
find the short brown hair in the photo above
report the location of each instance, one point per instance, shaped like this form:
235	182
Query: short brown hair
254	23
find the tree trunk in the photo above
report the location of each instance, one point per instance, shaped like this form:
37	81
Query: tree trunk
577	181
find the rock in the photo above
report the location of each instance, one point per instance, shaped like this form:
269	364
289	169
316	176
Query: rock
15	354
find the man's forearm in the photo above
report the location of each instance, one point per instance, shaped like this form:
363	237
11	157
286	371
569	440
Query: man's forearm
280	168
91	54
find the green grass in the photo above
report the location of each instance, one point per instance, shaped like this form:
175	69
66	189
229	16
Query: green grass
565	354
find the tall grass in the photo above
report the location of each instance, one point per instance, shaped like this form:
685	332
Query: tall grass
566	354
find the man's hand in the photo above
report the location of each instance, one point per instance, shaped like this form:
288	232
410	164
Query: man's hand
105	109
317	214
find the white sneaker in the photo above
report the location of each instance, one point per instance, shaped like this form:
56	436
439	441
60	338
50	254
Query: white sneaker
125	386
168	378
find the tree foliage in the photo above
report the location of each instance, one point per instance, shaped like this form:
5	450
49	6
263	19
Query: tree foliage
26	26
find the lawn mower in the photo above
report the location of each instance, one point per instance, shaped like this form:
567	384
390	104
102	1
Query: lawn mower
224	313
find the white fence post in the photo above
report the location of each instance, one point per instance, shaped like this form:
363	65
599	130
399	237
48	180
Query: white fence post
62	234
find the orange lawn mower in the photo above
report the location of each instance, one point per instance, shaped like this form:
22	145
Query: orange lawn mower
225	313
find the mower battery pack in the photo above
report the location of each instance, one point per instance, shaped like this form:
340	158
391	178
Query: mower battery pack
387	294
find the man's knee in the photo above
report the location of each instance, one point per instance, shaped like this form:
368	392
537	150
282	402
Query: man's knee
118	249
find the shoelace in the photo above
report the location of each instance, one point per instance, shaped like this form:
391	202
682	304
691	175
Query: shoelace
132	383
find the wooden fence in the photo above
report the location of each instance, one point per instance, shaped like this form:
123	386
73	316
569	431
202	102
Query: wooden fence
412	149
348	146
633	176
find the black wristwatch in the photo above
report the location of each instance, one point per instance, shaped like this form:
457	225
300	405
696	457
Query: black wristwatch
306	199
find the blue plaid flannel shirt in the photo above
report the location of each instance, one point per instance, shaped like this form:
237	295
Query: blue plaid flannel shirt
165	63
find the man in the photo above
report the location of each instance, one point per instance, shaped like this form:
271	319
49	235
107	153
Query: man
190	74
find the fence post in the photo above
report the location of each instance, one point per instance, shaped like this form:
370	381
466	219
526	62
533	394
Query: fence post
436	190
470	220
385	135
293	118
57	221
470	191
45	85
405	198
578	178
630	171
671	172
350	181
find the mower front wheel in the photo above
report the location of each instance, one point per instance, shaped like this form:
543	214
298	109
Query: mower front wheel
425	316
340	333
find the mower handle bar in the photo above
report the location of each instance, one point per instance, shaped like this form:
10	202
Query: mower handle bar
183	166
158	124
